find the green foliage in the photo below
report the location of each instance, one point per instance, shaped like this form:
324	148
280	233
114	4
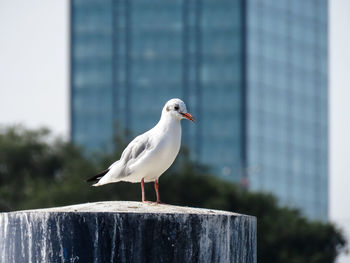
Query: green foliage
37	171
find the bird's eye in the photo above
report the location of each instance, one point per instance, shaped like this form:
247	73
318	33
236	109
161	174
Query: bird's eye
176	107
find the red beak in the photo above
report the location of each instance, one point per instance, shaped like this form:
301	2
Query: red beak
188	116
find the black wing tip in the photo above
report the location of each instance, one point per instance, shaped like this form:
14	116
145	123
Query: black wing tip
93	179
97	177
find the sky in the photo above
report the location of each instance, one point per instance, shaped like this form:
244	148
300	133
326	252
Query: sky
34	81
34	63
339	113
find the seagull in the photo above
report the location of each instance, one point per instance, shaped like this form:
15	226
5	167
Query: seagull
150	154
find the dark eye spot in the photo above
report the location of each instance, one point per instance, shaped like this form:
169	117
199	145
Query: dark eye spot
176	107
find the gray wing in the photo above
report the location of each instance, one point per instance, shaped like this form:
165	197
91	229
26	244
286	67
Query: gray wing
132	153
135	149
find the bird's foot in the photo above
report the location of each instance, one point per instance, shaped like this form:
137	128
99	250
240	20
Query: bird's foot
147	202
160	202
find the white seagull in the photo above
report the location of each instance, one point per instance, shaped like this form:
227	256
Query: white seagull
150	154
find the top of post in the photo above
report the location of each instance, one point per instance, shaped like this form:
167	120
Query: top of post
130	207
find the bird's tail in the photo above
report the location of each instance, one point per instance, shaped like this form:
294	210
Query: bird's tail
98	177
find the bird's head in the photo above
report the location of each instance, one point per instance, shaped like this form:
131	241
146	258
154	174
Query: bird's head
176	108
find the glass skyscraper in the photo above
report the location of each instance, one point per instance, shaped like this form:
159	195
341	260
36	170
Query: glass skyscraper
287	101
253	73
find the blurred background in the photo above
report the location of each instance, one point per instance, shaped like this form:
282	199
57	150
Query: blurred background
266	80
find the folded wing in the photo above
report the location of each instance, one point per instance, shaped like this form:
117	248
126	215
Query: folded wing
135	151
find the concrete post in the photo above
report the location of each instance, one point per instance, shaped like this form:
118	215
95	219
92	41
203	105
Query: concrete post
126	232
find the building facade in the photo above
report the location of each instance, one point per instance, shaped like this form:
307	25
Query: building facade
253	73
287	119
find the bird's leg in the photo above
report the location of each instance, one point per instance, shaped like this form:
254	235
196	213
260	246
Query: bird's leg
156	187
143	191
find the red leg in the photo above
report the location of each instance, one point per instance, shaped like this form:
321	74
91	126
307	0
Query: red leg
143	191
156	187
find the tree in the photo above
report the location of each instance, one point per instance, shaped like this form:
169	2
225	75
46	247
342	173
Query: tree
38	171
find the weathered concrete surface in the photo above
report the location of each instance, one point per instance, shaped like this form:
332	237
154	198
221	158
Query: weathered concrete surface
126	232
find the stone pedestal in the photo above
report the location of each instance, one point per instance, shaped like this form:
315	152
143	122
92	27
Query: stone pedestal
126	232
